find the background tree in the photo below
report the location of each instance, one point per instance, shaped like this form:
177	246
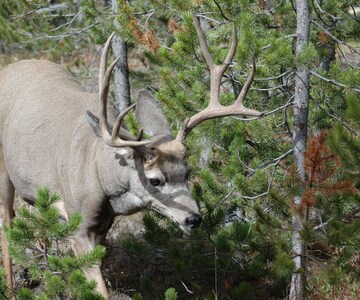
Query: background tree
121	71
300	135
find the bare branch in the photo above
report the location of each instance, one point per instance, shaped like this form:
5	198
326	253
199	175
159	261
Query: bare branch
335	38
273	78
186	288
267	190
51	8
332	81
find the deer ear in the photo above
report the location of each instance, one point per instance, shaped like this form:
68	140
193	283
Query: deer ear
150	116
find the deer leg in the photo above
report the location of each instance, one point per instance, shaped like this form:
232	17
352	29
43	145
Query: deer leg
7	192
82	243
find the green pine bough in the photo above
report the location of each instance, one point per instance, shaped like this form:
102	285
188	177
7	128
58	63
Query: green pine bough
34	244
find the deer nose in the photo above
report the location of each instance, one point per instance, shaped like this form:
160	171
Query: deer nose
193	221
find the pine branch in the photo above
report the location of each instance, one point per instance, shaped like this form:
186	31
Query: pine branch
333	81
334	18
336	39
334	117
272	176
274	77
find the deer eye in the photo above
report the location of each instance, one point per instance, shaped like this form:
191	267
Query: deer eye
155	181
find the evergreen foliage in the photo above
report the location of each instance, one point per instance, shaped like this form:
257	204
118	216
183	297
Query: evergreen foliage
171	294
242	172
62	31
343	228
4	291
344	142
34	244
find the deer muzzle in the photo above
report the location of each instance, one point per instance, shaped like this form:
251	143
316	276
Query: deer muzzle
193	221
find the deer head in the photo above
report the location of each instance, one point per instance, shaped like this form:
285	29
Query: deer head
161	162
158	175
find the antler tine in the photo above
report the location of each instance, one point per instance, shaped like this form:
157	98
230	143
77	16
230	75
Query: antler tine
103	59
115	138
215	109
216	71
246	87
232	50
104	88
104	91
202	40
104	84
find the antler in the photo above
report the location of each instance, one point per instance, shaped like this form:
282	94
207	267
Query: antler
114	139
215	109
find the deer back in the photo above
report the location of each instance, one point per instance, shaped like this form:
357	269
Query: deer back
41	108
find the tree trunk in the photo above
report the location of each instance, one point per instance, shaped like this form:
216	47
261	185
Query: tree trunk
80	17
121	70
301	102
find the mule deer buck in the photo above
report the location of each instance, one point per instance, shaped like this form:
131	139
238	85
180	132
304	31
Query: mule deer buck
99	170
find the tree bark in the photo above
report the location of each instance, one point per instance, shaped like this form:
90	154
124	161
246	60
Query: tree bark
300	107
121	70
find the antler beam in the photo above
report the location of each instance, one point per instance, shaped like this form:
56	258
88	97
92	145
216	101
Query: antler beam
112	139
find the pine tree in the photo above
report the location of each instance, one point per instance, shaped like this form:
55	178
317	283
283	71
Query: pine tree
344	138
36	242
341	214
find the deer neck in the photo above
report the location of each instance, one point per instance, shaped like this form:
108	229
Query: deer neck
120	180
